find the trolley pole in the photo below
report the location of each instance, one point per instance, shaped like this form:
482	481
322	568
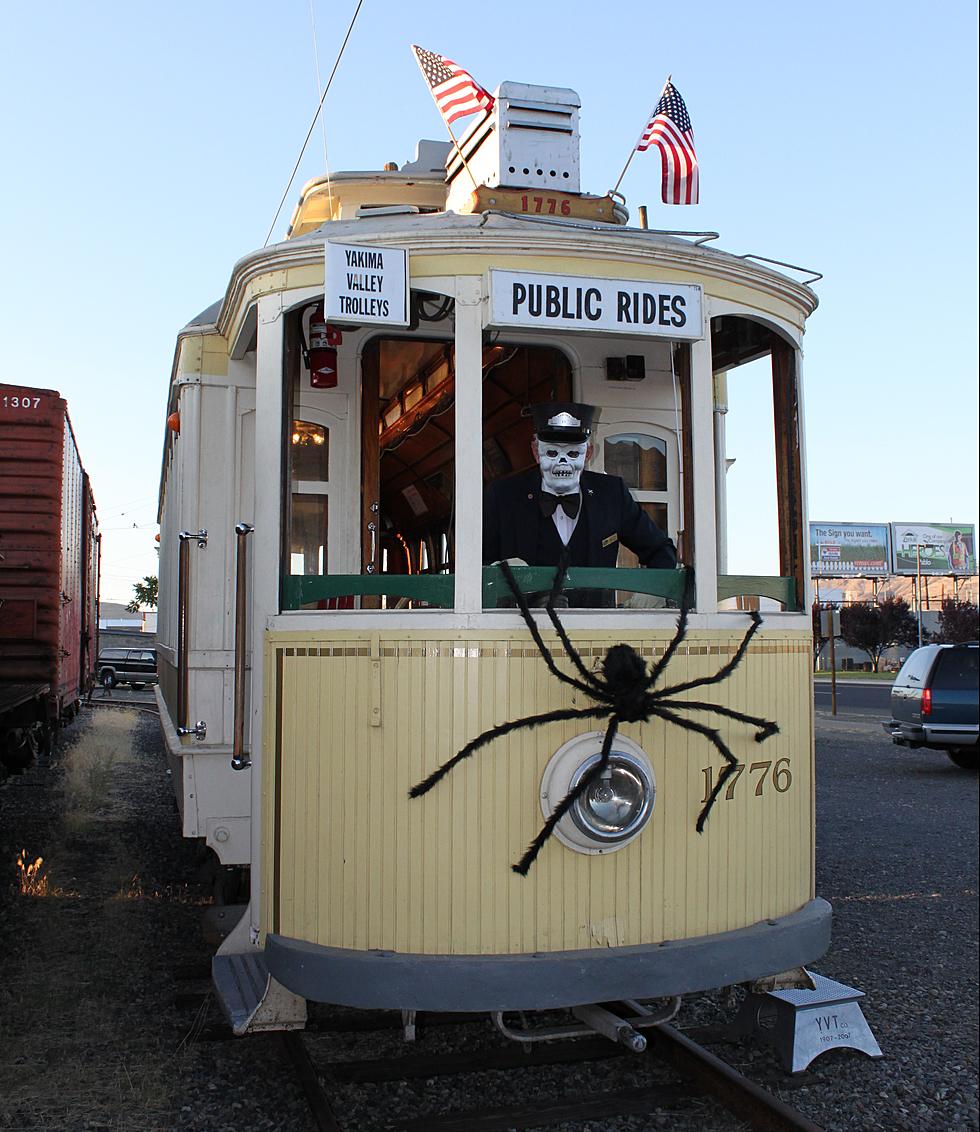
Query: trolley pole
833	677
830	628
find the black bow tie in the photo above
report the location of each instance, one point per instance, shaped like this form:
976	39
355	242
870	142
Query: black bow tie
569	504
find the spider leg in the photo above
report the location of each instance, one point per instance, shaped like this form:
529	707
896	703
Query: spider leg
501	729
524	864
723	672
767	727
711	734
590	677
681	629
549	660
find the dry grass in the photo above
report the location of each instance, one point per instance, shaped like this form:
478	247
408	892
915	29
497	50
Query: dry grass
89	1039
32	881
92	764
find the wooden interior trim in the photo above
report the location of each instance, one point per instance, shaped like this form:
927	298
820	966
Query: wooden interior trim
370	457
789	471
290	381
685	536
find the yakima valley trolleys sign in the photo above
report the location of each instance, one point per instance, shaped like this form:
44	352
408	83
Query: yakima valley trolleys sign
365	284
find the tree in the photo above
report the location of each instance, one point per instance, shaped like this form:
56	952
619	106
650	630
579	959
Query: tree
958	621
145	594
874	628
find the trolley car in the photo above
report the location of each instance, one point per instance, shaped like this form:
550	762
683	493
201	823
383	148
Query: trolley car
329	632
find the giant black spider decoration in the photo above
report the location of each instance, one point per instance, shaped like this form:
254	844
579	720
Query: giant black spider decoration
625	691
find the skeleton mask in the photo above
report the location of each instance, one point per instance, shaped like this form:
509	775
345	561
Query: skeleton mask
561	465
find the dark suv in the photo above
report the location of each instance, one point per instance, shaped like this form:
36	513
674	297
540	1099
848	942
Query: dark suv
935	704
136	667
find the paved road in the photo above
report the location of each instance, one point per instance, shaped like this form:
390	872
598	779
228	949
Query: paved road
897	859
851	696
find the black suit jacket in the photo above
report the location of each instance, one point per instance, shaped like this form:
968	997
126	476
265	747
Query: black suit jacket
514	527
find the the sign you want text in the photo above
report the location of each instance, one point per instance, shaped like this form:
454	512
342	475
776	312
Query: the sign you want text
617	306
366	284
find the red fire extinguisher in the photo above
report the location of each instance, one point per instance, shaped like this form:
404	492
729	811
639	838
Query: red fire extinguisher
321	358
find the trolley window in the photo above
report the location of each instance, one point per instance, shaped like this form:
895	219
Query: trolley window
640	460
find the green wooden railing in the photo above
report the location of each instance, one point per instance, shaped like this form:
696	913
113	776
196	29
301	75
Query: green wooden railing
438	590
782	590
535	579
434	589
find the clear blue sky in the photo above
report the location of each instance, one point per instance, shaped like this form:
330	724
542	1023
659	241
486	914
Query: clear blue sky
147	147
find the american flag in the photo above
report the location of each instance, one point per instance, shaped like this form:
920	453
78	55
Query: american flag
669	129
455	91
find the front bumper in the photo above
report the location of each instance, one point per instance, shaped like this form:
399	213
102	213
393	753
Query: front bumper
390	980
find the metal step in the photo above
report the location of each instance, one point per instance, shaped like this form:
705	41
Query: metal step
806	1023
250	997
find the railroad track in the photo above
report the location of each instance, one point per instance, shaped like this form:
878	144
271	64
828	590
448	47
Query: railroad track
698	1074
133	705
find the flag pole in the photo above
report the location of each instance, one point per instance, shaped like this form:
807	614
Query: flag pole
633	150
460	152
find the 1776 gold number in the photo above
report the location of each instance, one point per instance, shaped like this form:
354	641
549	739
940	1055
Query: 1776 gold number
782	778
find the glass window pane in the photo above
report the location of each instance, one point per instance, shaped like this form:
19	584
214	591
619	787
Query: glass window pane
308	535
641	460
957	670
311	451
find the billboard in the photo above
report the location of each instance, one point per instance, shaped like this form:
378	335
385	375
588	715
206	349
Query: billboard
840	550
943	548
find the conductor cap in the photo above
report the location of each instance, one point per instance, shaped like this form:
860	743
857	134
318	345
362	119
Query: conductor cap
564	422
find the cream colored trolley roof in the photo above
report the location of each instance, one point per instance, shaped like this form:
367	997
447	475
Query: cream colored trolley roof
447	244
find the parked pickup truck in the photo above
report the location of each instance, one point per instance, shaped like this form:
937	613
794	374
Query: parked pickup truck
136	667
935	702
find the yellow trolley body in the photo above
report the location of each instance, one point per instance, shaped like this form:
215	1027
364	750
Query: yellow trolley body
368	656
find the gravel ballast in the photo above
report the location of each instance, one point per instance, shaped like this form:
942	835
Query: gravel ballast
99	1025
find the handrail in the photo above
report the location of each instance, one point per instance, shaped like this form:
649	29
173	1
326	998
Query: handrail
183	620
240	760
536	579
439	589
781	589
782	263
436	589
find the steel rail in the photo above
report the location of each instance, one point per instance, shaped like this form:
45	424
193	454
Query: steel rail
736	1092
316	1098
742	1097
132	705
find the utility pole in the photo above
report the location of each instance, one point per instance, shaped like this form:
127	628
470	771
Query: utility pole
918	588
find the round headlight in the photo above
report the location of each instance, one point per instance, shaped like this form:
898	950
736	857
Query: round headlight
618	803
614	808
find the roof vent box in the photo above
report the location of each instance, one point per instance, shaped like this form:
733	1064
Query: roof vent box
529	140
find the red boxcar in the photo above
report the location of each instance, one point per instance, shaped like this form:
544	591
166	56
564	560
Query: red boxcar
49	571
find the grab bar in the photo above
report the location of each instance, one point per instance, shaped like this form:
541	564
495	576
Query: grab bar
812	272
183	619
239	759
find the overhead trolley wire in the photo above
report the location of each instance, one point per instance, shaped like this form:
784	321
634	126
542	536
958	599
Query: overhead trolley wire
309	132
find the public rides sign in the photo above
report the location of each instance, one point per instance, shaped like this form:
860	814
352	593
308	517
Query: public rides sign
611	306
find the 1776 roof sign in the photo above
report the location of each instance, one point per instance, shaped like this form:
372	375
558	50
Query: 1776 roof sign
617	306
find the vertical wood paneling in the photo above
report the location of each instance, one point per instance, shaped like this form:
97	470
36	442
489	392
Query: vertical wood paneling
364	866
